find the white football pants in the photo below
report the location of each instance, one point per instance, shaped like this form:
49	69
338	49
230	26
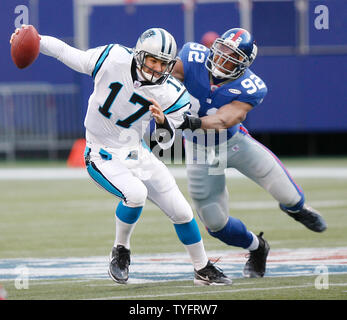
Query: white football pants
135	174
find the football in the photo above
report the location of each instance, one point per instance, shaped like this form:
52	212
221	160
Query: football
25	46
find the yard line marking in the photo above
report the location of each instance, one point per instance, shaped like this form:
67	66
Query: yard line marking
91	205
178	172
183	286
212	292
156	268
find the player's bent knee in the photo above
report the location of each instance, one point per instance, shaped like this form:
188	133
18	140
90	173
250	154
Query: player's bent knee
173	204
213	216
136	197
181	211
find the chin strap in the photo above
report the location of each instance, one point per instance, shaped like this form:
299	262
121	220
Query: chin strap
149	77
218	74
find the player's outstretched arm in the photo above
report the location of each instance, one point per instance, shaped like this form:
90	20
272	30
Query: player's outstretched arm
226	116
78	60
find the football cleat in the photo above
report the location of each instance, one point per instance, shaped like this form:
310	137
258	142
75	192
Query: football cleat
119	266
256	264
308	216
210	275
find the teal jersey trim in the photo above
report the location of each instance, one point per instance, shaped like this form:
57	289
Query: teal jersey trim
181	102
144	144
103	182
101	59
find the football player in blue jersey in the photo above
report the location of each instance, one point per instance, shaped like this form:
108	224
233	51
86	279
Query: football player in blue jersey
224	90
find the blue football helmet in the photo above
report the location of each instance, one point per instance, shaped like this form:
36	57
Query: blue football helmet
231	54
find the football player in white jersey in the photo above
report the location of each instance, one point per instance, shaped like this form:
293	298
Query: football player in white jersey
130	87
225	90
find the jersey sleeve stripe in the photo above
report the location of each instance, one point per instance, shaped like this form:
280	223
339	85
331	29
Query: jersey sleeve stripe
101	59
181	102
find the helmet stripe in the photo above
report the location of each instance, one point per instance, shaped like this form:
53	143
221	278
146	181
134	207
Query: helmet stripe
237	35
170	47
163	41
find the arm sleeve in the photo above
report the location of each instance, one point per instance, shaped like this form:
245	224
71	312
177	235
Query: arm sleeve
253	101
78	60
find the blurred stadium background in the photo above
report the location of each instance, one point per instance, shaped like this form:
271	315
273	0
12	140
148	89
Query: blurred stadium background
42	109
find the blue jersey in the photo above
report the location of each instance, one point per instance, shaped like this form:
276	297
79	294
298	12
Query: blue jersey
247	88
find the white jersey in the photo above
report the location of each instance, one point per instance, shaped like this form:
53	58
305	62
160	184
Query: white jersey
118	109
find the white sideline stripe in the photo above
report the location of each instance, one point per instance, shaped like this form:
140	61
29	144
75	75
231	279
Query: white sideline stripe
42	174
81	173
213	292
90	205
255	205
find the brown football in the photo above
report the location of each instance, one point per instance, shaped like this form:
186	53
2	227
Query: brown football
25	47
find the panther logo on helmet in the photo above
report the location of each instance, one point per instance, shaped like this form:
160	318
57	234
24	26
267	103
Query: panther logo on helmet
147	34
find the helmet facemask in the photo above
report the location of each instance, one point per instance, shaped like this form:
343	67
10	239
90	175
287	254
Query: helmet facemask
227	60
150	74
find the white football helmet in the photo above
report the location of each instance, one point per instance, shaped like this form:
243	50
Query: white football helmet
160	44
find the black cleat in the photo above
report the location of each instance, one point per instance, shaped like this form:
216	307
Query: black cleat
256	264
308	216
210	275
119	266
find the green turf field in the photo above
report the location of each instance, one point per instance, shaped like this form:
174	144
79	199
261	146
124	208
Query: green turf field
74	218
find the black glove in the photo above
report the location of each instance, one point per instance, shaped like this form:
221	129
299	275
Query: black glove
190	122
